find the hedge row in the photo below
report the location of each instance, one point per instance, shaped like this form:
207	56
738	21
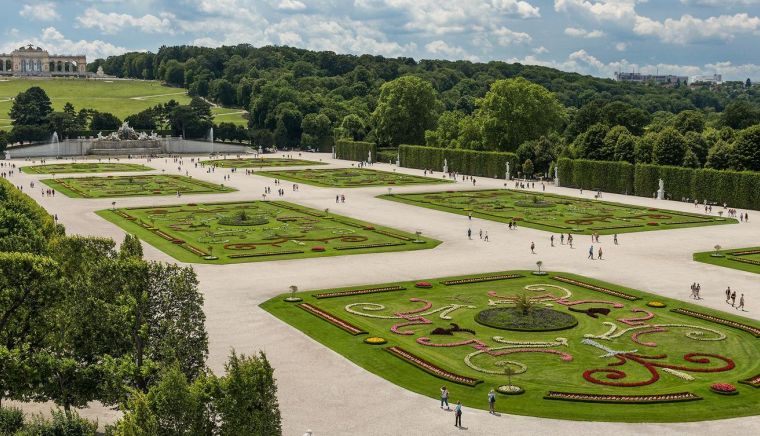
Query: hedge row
738	189
617	177
470	162
355	150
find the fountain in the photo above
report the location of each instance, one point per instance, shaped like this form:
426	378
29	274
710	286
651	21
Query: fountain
54	140
211	138
126	140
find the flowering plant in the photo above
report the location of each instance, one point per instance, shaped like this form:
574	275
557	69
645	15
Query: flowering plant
423	285
723	388
318	248
374	340
658	304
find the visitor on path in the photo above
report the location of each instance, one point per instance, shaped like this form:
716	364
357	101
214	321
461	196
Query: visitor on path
614	239
699	288
733	299
445	398
741	303
599	253
551	240
591	253
562	238
458	415
491	401
728	294
469	216
533	247
480	234
694	290
485	237
469	234
570	240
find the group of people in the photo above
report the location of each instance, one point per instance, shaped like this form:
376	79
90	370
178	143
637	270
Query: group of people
695	288
340	198
458	406
731	299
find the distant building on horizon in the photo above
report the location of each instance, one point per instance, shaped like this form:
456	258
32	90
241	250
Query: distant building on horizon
711	79
659	79
30	61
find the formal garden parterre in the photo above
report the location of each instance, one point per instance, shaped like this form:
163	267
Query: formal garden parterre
221	233
744	259
563	339
84	167
350	177
129	186
556	213
262	162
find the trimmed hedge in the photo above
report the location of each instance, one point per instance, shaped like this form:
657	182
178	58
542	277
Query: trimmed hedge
470	162
614	177
355	150
740	189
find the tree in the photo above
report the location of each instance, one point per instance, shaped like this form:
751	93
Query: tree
248	403
143	120
690	159
222	92
625	148
527	168
748	83
516	110
131	248
64	123
747	148
317	132
741	114
669	148
447	132
174	73
721	156
104	121
591	144
406	108
31	107
689	121
288	125
353	127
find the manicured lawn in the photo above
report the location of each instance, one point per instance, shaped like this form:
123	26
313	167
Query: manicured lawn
556	213
256	231
349	177
70	168
130	186
745	259
655	350
259	162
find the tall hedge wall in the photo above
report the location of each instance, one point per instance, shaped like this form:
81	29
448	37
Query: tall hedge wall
737	189
614	177
355	150
470	162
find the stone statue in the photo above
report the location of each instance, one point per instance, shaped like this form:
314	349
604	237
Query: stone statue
445	166
398	159
507	174
369	157
661	191
661	184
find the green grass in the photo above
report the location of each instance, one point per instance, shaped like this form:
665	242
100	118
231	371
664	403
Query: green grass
349	177
556	213
71	168
733	258
259	162
544	372
130	186
272	230
229	115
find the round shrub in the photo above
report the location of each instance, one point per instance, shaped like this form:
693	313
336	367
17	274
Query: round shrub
536	319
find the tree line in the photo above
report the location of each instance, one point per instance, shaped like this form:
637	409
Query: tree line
83	320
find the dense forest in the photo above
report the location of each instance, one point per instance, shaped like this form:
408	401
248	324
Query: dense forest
302	98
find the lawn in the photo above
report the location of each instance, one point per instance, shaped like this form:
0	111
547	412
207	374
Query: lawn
130	186
70	168
616	345
556	213
744	259
255	231
349	177
259	162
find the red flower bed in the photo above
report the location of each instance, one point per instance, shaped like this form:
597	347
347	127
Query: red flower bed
431	368
423	285
332	319
596	288
723	388
744	253
359	292
633	399
369	228
480	279
727	322
318	248
752	381
652	224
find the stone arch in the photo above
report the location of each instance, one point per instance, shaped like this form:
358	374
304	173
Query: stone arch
51	67
59	66
8	65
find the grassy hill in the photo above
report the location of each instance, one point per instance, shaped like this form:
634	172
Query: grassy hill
119	97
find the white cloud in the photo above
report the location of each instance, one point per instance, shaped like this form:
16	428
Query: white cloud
112	23
40	12
55	42
721	2
441	47
621	46
291	5
506	37
577	32
540	50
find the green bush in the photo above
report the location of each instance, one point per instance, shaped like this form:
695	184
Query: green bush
11	420
355	150
470	162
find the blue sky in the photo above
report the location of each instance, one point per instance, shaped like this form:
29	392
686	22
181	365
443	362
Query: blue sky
595	37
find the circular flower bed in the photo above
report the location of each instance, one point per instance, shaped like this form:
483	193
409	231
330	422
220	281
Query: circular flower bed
424	285
657	304
536	319
318	248
724	388
510	390
374	340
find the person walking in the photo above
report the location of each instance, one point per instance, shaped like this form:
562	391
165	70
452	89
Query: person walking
491	401
741	303
551	239
458	414
591	252
728	293
562	239
485	237
599	253
445	398
469	216
469	234
570	240
733	299
533	247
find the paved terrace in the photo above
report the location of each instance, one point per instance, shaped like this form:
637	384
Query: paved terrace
324	392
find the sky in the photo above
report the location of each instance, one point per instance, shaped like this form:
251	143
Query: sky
597	37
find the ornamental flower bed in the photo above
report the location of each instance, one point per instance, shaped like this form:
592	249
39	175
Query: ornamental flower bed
629	399
332	319
754	331
423	285
749	261
589	286
656	304
359	292
724	388
431	368
374	340
752	381
357	247
318	248
268	253
744	252
393	235
481	279
652	224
